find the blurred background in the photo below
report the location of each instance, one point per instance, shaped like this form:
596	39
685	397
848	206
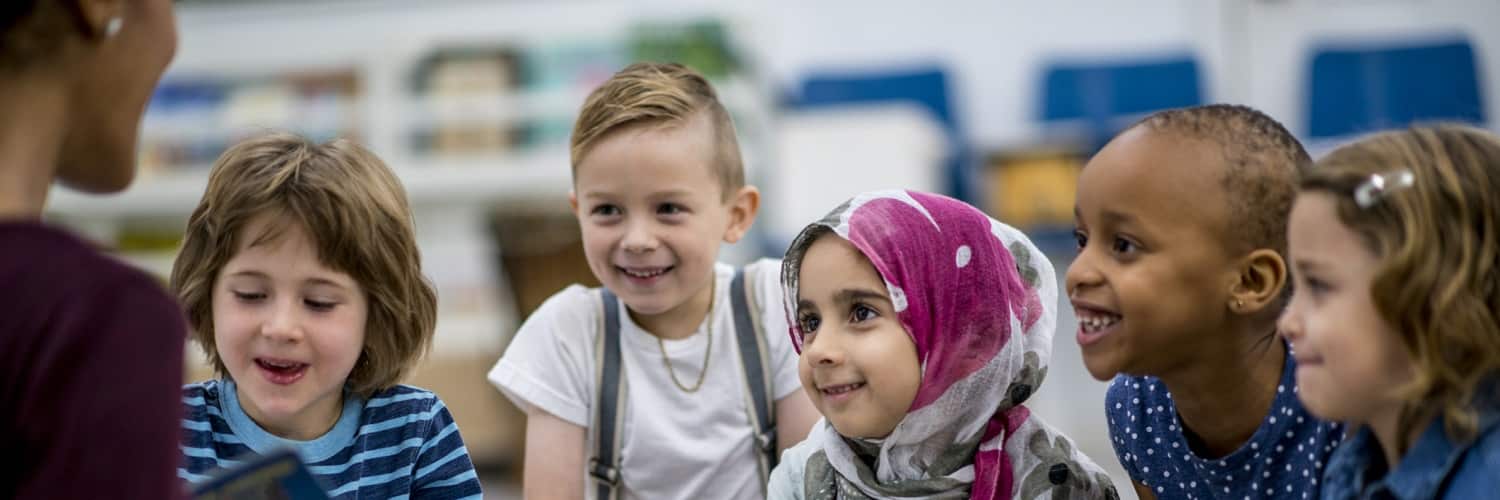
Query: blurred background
994	102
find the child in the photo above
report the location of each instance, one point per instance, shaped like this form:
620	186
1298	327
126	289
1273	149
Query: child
302	281
1396	320
89	346
1177	285
668	394
923	326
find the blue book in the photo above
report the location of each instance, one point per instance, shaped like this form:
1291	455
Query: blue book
280	475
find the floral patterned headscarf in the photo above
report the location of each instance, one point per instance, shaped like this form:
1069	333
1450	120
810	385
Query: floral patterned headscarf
979	301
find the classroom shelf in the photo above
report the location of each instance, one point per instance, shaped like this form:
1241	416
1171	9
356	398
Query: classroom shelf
518	180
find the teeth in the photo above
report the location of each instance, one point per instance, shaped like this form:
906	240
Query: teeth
646	274
840	389
1096	323
279	365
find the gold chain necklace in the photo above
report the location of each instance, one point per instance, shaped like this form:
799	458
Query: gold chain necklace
667	362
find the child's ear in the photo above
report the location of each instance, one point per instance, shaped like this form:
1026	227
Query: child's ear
1263	275
573	201
742	209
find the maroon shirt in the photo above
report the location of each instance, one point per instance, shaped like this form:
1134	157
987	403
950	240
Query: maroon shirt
90	372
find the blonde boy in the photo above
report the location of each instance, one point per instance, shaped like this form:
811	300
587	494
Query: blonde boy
658	185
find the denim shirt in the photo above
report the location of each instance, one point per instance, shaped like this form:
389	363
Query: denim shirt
1434	467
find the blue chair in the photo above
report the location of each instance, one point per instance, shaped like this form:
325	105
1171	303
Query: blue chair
1354	90
1106	97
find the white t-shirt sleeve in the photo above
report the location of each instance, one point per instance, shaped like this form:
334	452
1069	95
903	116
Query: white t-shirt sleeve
549	364
783	358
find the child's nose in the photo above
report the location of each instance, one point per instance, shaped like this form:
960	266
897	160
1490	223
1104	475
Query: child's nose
1081	273
824	351
282	324
1289	325
639	237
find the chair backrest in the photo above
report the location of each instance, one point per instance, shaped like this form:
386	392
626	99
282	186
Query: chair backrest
1358	89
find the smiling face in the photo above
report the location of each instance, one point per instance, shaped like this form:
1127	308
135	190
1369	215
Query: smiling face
1350	363
1153	274
288	329
653	214
858	364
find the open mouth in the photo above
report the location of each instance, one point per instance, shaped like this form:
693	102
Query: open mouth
841	392
644	273
1094	324
280	371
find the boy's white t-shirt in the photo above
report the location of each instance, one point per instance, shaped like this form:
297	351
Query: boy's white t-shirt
674	444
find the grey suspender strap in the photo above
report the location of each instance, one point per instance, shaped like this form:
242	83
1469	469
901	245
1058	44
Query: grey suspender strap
757	374
604	467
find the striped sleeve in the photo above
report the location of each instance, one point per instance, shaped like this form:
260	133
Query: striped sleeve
207	443
443	469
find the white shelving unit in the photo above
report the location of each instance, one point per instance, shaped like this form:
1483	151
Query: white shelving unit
381	42
519	181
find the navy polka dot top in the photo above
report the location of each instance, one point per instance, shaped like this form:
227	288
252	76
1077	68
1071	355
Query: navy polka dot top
1284	459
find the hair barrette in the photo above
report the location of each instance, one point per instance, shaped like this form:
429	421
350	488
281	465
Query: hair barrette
1378	186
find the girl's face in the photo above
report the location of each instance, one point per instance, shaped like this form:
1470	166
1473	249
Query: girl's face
1350	361
858	363
288	329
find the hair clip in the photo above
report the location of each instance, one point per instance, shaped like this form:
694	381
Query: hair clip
1379	185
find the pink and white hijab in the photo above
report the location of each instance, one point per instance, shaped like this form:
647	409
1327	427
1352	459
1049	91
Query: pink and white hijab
979	301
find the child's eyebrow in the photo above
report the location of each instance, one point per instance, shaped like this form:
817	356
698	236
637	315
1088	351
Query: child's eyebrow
1116	217
671	193
251	274
316	280
1305	264
325	282
852	295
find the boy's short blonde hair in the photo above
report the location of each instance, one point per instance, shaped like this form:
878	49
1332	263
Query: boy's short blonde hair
656	94
354	210
1438	280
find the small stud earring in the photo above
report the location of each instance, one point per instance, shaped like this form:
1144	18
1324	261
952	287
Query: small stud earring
1239	304
112	27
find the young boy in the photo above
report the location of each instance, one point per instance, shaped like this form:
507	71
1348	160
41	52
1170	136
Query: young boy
1177	286
658	184
301	277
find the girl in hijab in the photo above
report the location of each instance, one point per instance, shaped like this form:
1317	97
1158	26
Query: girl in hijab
923	326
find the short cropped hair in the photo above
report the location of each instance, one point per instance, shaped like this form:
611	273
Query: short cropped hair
1261	159
657	94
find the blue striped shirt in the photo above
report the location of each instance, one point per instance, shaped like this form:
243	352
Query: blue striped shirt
402	443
